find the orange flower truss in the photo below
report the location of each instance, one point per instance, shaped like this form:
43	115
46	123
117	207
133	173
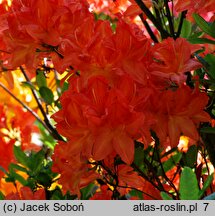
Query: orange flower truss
98	120
124	89
31	26
179	112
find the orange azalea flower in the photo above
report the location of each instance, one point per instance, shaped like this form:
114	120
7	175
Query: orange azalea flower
172	58
75	171
122	52
100	119
180	112
31	26
133	48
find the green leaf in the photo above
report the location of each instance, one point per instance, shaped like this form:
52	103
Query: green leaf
204	25
210	59
36	160
21	156
57	194
188	186
46	94
196	34
69	196
88	191
13	176
41	79
208	137
207	183
165	196
201	41
201	73
170	163
65	87
20	179
202	60
102	16
208	130
136	193
139	156
186	29
3	170
45	137
18	167
44	179
191	156
28	85
1	196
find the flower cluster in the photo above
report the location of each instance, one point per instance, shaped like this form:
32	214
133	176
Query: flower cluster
122	85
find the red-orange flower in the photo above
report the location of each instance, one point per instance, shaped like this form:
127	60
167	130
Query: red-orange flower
179	112
75	171
100	119
32	27
172	58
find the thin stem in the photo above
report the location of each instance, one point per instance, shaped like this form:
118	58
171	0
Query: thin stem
183	16
164	174
148	13
176	173
52	130
159	186
163	21
161	165
24	105
169	17
208	170
154	198
59	54
157	13
115	177
172	10
149	30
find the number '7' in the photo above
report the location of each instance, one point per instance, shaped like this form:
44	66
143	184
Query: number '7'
206	205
